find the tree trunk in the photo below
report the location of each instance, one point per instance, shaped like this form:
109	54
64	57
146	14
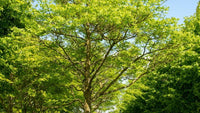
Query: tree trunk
10	99
87	86
10	106
87	103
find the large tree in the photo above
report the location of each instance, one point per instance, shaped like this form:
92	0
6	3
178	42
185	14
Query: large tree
109	44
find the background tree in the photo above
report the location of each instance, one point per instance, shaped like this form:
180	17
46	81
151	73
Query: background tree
31	77
174	88
9	17
109	44
197	24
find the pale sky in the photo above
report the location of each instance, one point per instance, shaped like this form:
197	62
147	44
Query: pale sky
181	8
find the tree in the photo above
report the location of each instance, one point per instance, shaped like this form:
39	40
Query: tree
106	43
174	87
9	17
28	69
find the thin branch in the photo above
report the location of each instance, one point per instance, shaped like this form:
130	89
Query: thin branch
65	105
148	53
74	36
98	104
106	55
66	57
67	35
102	85
98	92
76	88
144	50
71	61
111	83
102	62
95	65
134	80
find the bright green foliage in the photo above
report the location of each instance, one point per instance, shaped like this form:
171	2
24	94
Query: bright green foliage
32	78
26	75
72	55
106	42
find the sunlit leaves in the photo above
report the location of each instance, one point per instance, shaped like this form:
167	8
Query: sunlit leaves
68	46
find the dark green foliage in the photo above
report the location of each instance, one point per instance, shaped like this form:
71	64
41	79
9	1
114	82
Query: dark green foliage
173	89
9	18
197	28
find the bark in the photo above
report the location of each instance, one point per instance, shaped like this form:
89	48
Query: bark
88	101
10	99
87	86
10	106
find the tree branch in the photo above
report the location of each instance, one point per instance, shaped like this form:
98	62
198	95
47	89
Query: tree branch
98	104
111	83
71	61
66	57
134	80
67	35
106	55
102	62
64	105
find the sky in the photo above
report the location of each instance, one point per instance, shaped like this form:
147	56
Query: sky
181	8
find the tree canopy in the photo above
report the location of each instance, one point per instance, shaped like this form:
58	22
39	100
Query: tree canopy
84	55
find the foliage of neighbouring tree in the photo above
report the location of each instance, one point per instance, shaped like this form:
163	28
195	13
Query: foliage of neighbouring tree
175	87
11	14
106	43
197	22
32	78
